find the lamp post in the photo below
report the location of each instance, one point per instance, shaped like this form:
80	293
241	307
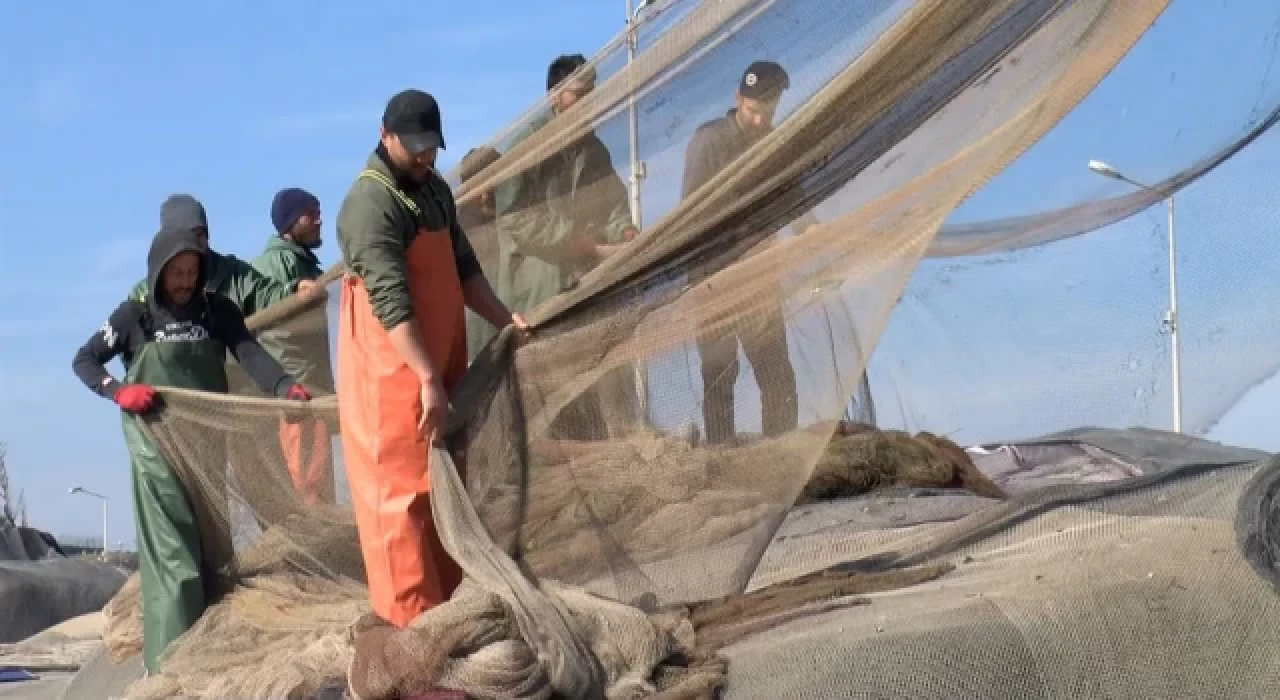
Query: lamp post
1171	315
77	489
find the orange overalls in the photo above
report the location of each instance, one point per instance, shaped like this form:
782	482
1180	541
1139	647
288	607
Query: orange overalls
407	567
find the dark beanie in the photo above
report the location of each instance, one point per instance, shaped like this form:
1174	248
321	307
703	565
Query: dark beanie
289	205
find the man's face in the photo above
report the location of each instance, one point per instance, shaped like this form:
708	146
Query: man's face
179	278
567	95
417	165
756	116
306	231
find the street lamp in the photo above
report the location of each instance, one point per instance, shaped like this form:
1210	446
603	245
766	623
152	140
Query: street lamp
1171	316
77	489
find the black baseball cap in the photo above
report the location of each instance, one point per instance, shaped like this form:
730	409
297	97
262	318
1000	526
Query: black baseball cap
763	80
414	117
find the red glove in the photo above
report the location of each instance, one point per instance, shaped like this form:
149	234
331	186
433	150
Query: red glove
297	393
135	398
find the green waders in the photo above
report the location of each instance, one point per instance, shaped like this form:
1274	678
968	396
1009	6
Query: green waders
171	558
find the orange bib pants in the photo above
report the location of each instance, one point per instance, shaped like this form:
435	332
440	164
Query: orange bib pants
388	473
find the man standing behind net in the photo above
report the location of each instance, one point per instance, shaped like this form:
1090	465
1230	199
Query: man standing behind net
402	346
714	146
557	220
301	345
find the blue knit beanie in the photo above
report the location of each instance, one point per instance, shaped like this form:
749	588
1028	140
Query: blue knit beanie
290	204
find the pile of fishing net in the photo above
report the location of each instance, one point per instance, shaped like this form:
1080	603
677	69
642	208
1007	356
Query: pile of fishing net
473	642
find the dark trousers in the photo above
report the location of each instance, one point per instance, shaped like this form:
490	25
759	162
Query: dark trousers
764	341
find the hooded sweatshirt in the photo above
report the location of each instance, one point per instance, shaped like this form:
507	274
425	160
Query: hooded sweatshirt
225	275
206	316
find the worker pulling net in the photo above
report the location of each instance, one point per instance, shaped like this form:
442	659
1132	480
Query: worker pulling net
623	491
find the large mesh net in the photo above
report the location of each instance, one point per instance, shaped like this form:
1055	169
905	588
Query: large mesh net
629	503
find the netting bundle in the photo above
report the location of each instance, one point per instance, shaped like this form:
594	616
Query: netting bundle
630	503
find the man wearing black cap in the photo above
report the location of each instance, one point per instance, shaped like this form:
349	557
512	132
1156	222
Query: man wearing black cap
402	346
302	345
714	146
556	221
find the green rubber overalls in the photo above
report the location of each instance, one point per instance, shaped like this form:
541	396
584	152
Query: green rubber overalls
172	561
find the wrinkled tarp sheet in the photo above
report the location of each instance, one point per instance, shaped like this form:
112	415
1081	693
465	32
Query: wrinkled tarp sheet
35	595
24	543
903	643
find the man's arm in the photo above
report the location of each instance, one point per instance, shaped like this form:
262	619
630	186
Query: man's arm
525	219
261	367
480	298
90	363
278	266
619	228
699	162
253	291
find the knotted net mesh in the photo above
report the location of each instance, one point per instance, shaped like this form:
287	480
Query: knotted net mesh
626	506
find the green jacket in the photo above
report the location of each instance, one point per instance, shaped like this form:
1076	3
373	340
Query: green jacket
574	192
376	225
302	345
235	279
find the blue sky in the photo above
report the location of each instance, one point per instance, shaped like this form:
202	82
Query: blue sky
117	106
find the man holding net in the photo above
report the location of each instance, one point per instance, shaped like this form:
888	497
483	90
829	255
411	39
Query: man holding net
715	146
402	346
178	337
556	221
302	345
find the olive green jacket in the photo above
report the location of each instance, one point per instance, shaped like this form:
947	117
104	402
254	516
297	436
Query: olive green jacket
376	225
301	345
541	212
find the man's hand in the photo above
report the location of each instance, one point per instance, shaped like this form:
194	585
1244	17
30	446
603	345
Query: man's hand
523	331
296	393
435	410
135	398
584	249
309	290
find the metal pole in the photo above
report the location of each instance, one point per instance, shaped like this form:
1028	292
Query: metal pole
105	542
1172	321
1171	315
640	370
87	492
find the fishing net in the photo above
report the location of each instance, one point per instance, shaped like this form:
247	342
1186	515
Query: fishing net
624	534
